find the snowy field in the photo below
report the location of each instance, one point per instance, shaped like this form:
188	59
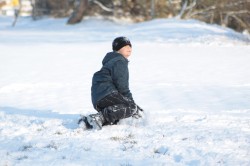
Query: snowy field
192	80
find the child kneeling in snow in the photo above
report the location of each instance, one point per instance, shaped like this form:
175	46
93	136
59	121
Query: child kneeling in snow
110	92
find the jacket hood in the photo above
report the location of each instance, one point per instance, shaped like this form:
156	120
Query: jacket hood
112	56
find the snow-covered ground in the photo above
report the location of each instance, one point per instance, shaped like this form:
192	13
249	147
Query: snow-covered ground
192	80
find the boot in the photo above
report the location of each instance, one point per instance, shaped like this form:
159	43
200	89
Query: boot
95	121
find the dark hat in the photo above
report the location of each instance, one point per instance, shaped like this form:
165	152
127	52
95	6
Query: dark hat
120	42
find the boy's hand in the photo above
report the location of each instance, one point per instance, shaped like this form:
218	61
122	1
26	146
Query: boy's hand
138	113
139	108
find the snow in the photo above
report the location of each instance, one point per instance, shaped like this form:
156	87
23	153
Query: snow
192	79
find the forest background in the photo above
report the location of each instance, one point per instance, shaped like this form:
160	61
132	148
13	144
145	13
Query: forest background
234	14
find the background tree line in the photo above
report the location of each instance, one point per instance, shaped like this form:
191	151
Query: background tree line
230	13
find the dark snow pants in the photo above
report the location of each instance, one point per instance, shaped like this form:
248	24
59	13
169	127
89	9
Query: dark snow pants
115	107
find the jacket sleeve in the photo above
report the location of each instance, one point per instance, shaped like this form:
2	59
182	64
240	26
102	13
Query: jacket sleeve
120	76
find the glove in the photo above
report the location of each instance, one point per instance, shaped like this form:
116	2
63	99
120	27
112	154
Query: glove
138	113
139	108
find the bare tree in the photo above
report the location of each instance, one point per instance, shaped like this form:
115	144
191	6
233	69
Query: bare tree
152	9
54	8
78	12
229	13
82	8
17	7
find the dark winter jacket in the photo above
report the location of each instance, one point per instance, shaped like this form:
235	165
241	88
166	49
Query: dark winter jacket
113	77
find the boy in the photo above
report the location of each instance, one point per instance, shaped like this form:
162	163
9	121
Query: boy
110	92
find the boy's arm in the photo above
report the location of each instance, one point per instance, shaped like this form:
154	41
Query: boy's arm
120	76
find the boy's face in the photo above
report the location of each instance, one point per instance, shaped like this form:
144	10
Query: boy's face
125	51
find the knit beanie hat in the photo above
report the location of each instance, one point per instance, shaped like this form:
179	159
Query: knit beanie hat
120	42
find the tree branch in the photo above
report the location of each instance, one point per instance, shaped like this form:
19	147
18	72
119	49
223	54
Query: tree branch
102	6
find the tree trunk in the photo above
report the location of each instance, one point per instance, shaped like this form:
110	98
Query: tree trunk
78	12
152	9
17	9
